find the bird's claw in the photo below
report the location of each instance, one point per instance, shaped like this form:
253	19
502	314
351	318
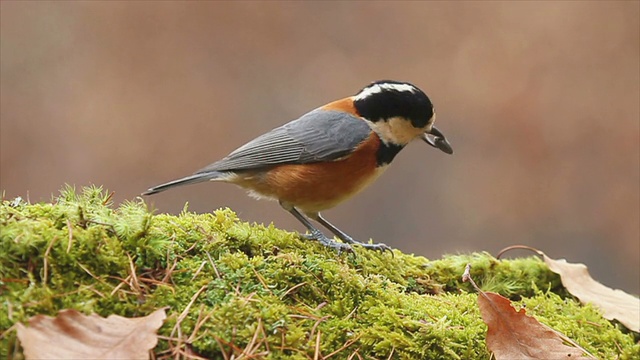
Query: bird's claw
330	243
377	247
340	247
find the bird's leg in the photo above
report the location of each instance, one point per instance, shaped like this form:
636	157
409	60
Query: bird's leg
346	238
315	233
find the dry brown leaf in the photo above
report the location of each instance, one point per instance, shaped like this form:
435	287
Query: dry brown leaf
514	335
614	303
73	335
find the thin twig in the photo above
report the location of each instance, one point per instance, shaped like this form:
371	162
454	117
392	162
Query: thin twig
134	284
183	315
344	346
169	271
262	281
45	263
520	247
198	271
292	289
316	354
213	265
70	227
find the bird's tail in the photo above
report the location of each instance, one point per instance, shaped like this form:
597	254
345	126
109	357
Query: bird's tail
193	179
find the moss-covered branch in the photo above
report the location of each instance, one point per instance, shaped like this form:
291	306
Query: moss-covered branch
233	287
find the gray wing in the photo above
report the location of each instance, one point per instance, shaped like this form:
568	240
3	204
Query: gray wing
320	135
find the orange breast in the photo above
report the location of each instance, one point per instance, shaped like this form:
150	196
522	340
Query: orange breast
318	186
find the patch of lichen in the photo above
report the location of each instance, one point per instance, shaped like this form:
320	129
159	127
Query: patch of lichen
231	286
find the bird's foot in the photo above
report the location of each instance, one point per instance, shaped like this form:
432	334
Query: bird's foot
330	243
378	247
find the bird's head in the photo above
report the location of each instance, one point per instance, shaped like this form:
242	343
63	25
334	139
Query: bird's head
399	113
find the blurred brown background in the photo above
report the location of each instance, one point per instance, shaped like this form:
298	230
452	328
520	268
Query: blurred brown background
541	101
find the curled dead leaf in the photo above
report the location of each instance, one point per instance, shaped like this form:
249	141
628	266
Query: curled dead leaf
73	335
514	335
614	304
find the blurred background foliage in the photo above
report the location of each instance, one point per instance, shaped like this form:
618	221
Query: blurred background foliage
541	101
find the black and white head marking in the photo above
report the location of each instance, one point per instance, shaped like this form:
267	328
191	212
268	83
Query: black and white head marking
398	112
380	86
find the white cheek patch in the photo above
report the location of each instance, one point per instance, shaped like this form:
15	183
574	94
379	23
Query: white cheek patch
378	88
396	130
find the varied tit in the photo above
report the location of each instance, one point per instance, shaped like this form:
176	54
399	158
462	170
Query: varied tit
328	155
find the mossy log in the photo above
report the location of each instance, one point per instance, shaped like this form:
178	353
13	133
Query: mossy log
254	291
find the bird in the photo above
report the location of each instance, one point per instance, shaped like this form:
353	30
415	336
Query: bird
327	155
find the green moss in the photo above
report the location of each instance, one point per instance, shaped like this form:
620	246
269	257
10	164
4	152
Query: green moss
263	290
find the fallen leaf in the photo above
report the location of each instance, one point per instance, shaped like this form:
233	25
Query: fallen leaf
73	335
614	303
514	335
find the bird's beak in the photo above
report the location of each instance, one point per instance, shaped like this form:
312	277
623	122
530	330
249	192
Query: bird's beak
436	139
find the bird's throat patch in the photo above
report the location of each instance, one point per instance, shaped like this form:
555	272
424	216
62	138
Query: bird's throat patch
386	153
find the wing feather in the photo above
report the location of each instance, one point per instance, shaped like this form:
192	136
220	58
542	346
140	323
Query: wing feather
317	136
